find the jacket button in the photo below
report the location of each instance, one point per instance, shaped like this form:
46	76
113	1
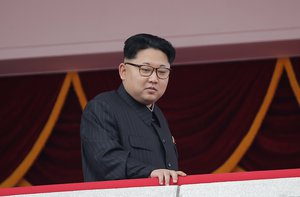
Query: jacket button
169	164
164	141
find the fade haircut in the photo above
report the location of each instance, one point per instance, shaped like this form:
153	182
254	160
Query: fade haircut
144	41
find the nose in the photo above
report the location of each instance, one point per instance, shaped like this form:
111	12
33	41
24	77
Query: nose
153	77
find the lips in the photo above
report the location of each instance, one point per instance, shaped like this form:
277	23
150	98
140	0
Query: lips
151	88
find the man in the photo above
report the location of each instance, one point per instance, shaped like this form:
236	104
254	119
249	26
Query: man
123	133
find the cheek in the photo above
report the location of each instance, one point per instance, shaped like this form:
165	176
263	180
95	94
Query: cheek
163	86
138	83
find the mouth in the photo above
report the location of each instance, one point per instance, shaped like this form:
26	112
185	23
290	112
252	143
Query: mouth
151	89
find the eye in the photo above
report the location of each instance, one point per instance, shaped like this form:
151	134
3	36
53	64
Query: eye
162	71
146	69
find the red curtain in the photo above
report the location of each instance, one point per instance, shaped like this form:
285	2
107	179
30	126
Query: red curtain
277	146
26	103
210	109
60	159
296	67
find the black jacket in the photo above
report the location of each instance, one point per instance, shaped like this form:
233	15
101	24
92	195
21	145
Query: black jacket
121	138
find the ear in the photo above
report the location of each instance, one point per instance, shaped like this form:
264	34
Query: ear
122	71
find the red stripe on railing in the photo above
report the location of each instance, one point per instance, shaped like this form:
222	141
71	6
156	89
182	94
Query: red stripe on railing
192	179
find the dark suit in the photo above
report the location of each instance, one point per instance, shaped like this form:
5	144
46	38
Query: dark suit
121	138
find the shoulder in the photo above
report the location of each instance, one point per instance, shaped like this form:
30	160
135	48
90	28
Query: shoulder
104	96
103	99
102	105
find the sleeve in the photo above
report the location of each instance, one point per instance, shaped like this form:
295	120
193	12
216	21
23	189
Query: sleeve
101	148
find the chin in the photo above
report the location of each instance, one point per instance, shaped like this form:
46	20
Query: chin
149	101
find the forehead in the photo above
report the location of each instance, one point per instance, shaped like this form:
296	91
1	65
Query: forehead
153	56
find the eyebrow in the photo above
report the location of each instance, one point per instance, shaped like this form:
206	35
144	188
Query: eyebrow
162	65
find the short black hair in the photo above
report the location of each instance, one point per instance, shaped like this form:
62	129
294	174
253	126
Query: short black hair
142	41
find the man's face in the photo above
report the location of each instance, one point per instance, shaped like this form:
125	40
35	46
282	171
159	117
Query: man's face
146	90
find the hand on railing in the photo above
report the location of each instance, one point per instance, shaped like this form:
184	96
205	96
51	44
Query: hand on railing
165	175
